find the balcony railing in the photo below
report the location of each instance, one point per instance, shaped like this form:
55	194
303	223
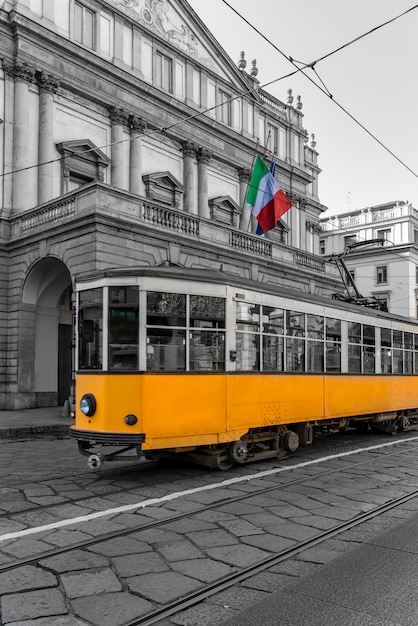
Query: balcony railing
100	199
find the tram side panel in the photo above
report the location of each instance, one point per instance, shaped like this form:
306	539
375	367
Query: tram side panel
258	400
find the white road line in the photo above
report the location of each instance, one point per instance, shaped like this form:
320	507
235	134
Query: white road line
188	492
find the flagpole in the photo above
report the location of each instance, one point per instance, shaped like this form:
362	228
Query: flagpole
248	184
252	167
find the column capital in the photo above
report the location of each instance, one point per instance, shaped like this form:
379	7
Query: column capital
19	69
47	82
136	123
118	115
204	155
244	174
189	148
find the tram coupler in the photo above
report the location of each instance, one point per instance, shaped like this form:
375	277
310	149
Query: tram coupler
97	459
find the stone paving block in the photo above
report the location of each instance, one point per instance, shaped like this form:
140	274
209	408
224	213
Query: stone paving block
138	564
243	556
97	527
35	518
157	512
73	561
212	538
337	512
206	570
10	526
120	546
294	568
183	506
214	516
189	525
47	500
89	583
7	494
65	537
31	605
38	490
241	528
164	587
156	535
316	521
272	543
56	620
22	548
287	510
17	506
179	550
212	496
318	554
292	530
69	511
239	508
25	578
203	615
110	609
262	519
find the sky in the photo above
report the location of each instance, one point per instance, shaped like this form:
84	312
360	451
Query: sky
373	80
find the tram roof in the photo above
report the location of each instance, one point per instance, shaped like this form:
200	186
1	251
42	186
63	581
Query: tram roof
208	275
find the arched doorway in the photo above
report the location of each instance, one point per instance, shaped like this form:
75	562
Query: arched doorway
45	371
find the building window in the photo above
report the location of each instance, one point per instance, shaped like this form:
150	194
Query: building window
84	25
385	235
416	274
322	246
415	236
224	108
381	274
349	239
163	72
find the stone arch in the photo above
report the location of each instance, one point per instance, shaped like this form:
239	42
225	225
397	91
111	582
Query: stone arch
45	335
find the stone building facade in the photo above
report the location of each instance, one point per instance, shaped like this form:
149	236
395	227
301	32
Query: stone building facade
127	139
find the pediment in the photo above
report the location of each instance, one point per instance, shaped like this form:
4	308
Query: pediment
163	187
180	26
224	209
83	149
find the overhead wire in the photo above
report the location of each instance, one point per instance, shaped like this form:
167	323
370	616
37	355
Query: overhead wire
324	89
249	91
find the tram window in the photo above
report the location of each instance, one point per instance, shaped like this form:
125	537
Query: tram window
273	320
295	324
166	349
333	329
354	359
123	327
397	361
408	362
207	350
369	335
166	309
90	355
273	353
314	356
333	356
248	317
295	355
354	332
207	311
315	326
369	362
248	352
386	337
397	339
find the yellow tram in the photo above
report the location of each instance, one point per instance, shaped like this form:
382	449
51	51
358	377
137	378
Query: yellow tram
225	370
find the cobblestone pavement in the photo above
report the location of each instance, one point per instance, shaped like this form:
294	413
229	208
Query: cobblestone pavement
115	580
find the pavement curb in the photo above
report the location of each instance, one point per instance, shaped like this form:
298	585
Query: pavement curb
35	432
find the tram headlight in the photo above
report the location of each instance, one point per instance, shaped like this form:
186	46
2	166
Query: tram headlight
88	404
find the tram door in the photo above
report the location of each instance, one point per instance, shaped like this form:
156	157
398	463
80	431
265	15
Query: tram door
64	362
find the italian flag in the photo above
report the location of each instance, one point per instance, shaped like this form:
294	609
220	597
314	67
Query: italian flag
268	200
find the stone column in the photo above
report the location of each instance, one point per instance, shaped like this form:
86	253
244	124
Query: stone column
119	120
189	151
23	192
244	175
136	184
203	158
48	85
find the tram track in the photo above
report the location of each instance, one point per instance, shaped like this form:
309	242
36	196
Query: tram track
9	566
199	596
